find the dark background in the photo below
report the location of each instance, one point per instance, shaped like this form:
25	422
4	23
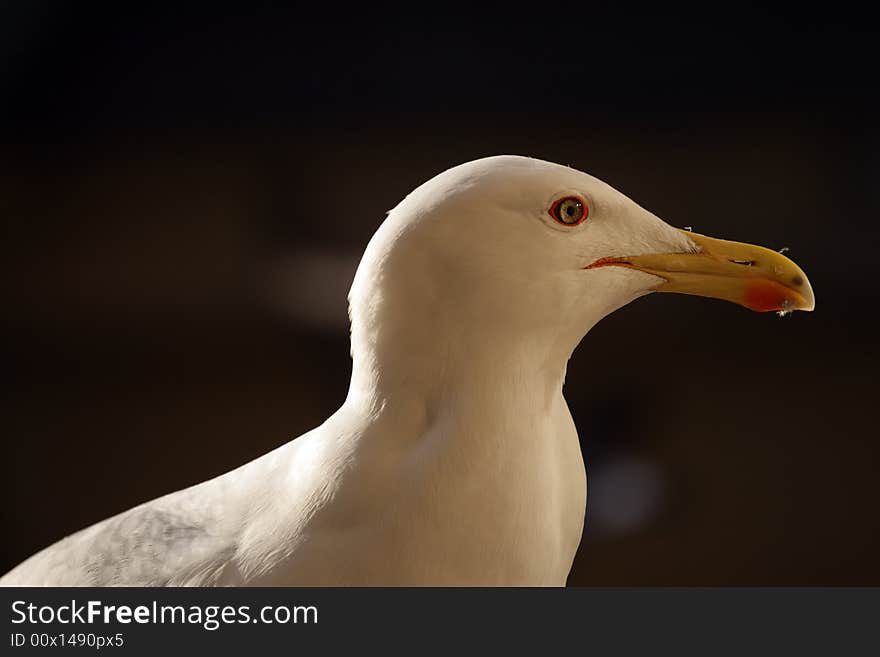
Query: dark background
186	193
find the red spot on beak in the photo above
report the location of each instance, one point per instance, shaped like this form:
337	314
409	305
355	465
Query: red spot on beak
764	296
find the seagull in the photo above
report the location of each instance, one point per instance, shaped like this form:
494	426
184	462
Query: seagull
454	460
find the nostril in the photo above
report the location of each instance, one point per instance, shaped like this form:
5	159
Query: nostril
744	263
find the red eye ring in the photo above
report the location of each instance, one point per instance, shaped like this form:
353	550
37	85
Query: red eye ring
569	211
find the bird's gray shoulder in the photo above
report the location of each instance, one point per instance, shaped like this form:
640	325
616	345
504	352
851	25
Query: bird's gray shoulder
210	534
179	539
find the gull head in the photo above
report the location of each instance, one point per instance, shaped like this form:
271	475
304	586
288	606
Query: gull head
517	250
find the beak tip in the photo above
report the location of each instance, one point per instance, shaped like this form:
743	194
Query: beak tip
808	299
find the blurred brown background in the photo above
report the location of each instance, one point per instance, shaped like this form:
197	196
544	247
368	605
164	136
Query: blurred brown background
186	193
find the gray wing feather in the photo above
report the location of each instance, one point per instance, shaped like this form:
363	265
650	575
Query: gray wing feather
172	541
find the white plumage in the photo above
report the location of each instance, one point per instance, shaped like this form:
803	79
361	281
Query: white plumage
454	459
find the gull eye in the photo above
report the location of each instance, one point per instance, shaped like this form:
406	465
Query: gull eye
569	211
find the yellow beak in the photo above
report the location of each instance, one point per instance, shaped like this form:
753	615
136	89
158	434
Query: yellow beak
759	279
